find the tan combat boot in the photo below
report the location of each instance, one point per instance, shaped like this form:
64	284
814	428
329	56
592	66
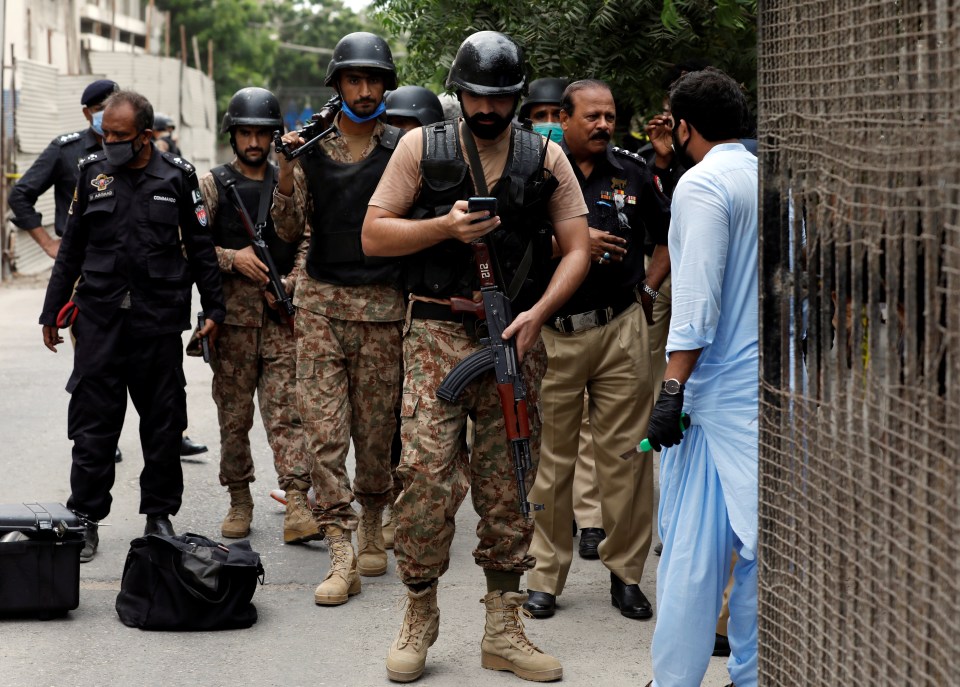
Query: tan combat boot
371	553
506	647
389	527
342	580
240	515
421	625
299	525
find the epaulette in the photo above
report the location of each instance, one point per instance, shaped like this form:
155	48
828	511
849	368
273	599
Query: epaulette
67	138
91	158
633	156
178	161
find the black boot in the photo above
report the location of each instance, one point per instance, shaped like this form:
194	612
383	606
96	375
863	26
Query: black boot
590	538
159	524
540	604
188	447
629	599
91	540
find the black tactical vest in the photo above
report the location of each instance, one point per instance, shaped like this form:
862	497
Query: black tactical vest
521	244
228	231
340	193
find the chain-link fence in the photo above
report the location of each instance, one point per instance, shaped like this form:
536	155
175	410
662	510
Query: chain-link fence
860	401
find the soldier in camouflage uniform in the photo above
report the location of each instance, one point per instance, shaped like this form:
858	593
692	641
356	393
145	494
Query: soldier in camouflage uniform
350	313
420	211
256	352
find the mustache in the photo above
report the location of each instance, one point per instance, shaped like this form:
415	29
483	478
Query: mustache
600	136
253	150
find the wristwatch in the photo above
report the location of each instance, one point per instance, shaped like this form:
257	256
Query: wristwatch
650	292
671	386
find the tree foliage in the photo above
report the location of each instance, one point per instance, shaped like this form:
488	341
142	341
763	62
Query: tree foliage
627	43
252	37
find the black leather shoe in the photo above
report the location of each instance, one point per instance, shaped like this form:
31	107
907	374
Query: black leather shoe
658	549
629	599
91	540
590	538
159	524
721	646
540	604
117	457
188	447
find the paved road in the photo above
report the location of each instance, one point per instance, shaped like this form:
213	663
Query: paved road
295	642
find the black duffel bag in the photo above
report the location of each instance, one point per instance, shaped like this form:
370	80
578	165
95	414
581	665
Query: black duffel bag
188	582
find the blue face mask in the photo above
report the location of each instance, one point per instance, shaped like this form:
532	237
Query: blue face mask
551	131
97	123
354	117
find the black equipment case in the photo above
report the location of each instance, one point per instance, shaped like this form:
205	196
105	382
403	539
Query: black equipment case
40	546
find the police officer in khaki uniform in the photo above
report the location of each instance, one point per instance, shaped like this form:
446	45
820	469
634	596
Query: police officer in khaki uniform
598	341
420	211
256	351
349	312
138	239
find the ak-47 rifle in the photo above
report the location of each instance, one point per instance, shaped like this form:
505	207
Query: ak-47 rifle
501	356
320	126
284	304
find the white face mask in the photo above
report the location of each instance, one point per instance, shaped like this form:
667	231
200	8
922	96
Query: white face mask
97	123
120	153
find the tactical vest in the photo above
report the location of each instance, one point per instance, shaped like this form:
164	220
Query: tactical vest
340	193
521	245
228	230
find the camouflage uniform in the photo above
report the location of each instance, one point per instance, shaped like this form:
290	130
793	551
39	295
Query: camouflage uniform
436	469
348	362
254	353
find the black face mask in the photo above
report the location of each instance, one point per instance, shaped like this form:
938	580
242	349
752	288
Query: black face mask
487	130
120	153
680	150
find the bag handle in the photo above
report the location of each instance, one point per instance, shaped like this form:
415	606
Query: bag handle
193	591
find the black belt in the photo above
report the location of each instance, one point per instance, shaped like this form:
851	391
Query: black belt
425	310
578	322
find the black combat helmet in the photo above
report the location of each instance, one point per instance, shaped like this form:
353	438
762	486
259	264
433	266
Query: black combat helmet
416	102
548	91
161	122
362	50
252	107
488	63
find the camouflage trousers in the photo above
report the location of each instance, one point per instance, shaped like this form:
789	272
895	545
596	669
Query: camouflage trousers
348	380
261	360
435	466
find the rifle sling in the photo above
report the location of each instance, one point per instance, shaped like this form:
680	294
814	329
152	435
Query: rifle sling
480	183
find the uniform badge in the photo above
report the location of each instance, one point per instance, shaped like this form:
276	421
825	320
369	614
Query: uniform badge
656	180
101	182
72	201
631	200
618	185
606	195
196	195
201	215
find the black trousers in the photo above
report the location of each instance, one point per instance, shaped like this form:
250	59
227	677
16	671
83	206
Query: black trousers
109	362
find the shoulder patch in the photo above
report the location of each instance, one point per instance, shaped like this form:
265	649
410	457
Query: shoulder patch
178	161
623	152
67	138
91	158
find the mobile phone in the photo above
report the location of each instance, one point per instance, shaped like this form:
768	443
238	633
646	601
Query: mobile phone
477	203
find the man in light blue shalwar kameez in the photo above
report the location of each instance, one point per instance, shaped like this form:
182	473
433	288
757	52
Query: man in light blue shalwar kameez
708	483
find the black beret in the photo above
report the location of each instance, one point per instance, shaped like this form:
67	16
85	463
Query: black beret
97	92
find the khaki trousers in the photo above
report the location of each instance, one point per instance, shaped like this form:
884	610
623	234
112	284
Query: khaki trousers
612	363
586	493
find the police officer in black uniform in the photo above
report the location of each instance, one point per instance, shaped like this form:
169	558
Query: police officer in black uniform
57	167
137	239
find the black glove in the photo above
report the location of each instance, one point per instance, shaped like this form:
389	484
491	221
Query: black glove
664	428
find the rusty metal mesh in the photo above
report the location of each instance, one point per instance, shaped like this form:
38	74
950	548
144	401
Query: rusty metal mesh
859	123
